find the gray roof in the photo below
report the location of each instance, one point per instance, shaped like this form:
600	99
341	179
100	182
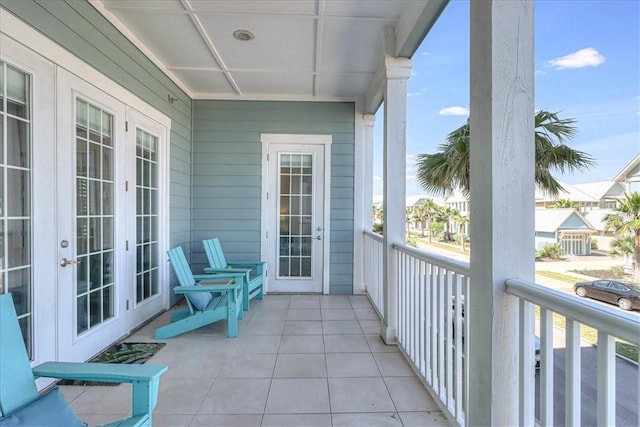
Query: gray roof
595	217
570	192
552	220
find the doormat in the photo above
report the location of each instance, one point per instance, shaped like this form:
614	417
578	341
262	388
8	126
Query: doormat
127	352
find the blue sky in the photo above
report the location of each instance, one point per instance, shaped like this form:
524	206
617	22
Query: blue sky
587	68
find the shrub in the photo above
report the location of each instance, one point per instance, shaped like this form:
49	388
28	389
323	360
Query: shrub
377	228
617	270
412	242
594	244
550	250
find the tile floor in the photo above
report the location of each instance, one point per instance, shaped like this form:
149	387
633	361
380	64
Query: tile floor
300	360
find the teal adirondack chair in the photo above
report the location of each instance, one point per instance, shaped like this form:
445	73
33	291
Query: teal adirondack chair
22	405
209	298
218	264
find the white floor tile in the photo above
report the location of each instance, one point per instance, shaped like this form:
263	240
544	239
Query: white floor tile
300	366
236	396
298	396
359	395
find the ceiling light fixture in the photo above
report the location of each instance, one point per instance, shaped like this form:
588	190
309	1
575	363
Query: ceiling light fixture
243	35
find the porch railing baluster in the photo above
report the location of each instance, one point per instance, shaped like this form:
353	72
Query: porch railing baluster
433	335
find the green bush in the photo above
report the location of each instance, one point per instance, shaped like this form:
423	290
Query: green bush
436	228
594	244
550	250
378	228
617	270
412	242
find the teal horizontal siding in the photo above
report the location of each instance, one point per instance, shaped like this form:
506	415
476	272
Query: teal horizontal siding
227	173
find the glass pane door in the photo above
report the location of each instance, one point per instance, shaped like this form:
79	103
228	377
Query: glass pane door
15	194
146	215
296	215
94	216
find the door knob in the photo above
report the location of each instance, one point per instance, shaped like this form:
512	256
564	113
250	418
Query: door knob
64	262
318	237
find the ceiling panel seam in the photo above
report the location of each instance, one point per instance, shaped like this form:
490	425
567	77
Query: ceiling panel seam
209	43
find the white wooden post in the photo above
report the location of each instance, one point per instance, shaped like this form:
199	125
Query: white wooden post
363	196
398	71
502	200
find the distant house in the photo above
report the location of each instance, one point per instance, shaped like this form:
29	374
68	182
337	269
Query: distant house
565	226
585	197
629	176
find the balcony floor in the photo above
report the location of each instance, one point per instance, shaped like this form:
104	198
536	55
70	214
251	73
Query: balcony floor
300	360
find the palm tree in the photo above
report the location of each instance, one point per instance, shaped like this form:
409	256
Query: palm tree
624	221
430	209
563	203
420	216
446	215
448	169
623	246
461	220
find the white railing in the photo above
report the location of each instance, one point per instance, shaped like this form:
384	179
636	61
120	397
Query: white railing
431	304
587	374
431	326
373	273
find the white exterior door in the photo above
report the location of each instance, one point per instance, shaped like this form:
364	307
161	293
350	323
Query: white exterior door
91	211
296	212
146	202
27	194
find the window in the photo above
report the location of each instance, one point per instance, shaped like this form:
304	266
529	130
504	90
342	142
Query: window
15	193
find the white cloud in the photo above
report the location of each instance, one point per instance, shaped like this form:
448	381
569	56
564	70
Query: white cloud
587	57
540	72
454	111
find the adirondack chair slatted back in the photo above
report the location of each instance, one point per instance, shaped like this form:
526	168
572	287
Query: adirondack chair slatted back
17	385
181	266
215	256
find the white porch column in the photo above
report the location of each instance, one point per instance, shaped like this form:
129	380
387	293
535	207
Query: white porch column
398	71
363	196
502	200
369	121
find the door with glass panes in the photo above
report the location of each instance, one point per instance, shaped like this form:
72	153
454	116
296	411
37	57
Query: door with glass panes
92	213
144	240
296	203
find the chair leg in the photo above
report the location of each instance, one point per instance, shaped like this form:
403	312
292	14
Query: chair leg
245	296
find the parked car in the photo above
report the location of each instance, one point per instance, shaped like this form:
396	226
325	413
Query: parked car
625	295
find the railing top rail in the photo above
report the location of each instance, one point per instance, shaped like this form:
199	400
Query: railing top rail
460	267
608	319
374	236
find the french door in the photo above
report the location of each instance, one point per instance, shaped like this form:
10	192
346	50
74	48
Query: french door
110	218
91	216
145	225
297	204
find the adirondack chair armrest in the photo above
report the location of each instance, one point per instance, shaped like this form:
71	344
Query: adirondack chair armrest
226	274
258	265
103	372
183	290
216	271
145	380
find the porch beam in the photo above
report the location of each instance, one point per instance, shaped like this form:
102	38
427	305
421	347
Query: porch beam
502	200
398	71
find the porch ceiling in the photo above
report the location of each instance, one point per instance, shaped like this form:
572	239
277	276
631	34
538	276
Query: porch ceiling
302	50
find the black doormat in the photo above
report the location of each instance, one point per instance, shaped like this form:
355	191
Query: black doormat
127	352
